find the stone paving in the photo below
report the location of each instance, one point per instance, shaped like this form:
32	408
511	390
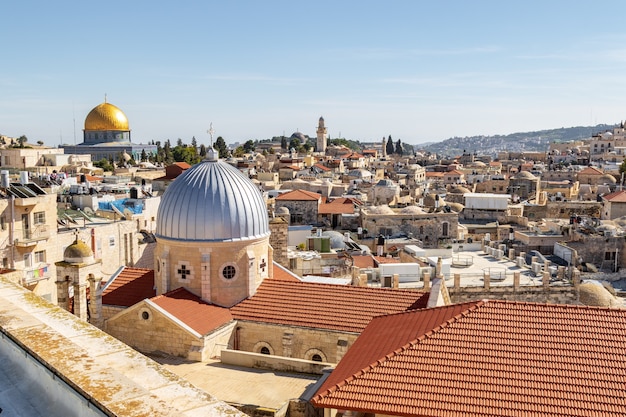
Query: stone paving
237	385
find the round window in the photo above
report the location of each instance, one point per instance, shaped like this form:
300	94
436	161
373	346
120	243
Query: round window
145	315
229	272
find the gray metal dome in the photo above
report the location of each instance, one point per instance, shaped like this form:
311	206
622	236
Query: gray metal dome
212	201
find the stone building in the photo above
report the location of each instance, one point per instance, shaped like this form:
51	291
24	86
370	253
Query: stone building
303	206
432	228
215	283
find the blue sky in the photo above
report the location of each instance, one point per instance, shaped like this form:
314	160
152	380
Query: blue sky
416	70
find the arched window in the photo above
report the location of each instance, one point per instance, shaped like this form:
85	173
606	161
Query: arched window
265	350
316	358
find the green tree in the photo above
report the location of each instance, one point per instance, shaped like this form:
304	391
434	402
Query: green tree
220	146
239	152
179	142
168	156
105	164
194	142
202	150
389	146
144	156
294	143
249	146
399	147
40	142
283	142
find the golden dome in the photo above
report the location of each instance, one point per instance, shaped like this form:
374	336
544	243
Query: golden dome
106	116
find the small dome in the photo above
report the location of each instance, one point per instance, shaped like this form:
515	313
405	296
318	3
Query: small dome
525	175
282	210
412	210
380	210
459	190
608	178
77	252
455	207
337	239
106	116
212	201
299	135
596	294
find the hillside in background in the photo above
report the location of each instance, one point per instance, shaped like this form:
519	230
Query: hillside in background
514	142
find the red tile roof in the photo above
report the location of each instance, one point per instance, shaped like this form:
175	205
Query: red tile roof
183	165
616	197
326	306
485	358
299	195
338	206
322	167
191	310
283	274
591	171
129	287
364	261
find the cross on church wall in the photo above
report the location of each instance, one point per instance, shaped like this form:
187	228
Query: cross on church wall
183	271
263	265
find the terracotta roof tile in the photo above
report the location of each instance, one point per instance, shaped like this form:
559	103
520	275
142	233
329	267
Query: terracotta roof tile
616	197
283	274
326	306
591	171
129	287
191	310
364	261
299	195
485	358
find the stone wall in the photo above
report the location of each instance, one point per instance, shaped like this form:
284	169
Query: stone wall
294	342
302	212
427	227
150	332
279	229
538	294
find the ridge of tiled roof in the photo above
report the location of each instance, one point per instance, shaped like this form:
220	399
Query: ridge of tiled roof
530	358
299	195
591	171
128	287
327	306
616	196
192	310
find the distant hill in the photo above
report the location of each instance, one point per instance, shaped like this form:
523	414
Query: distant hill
514	142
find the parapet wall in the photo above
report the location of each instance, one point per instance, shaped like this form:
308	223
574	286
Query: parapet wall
535	294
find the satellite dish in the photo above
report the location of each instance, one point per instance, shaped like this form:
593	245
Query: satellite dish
128	214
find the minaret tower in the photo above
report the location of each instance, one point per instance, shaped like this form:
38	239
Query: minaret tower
322	136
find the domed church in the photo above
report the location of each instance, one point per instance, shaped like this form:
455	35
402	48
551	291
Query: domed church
212	234
106	134
216	285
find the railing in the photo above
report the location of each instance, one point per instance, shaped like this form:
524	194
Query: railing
32	236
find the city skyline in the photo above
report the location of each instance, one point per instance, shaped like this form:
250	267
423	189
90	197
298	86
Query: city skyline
420	72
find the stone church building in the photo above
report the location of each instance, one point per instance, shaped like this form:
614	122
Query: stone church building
216	285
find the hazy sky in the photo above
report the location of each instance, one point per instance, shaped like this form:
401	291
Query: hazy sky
416	70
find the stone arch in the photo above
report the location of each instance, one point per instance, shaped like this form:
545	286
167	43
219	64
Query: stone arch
263	347
315	355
